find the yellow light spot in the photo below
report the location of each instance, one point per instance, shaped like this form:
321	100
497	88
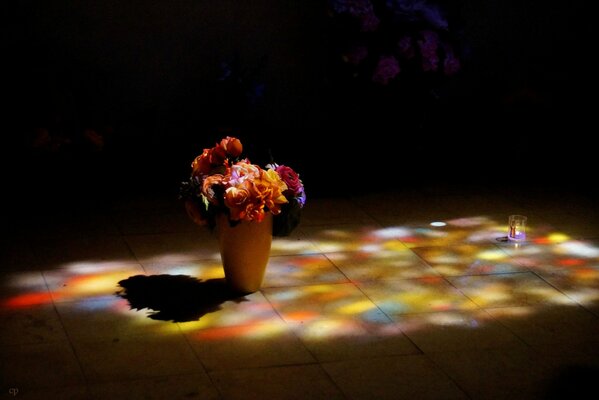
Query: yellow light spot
326	329
491	255
356	307
394	245
558	237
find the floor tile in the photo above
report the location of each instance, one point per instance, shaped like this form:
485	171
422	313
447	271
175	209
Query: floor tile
583	291
201	269
388	264
555	254
296	243
301	270
42	365
254	345
451	230
366	238
147	356
28	325
497	374
409	296
365	299
171	247
550	325
504	290
456	330
88	280
468	259
22	289
55	393
304	303
281	383
399	377
106	318
342	338
249	309
195	386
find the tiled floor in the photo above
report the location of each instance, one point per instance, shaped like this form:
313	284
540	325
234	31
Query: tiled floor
366	300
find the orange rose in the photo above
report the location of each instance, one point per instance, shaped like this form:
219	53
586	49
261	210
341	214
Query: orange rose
217	156
255	212
237	200
201	164
232	146
208	187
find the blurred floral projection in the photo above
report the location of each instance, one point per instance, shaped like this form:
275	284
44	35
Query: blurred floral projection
397	42
349	281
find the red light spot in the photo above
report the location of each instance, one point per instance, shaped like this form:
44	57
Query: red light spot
224	332
571	262
29	299
431	279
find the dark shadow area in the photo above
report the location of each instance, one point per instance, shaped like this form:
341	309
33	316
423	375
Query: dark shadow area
120	98
574	381
177	298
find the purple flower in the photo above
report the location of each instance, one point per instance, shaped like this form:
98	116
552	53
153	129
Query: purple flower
403	6
388	36
413	10
386	69
353	7
428	49
432	14
451	64
301	198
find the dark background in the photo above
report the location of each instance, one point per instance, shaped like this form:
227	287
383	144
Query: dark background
145	75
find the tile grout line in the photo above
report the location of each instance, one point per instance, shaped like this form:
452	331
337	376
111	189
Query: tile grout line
316	360
70	340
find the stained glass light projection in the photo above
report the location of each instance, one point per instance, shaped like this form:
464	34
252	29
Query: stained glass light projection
338	282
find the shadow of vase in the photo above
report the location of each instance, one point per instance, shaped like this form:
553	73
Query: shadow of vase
176	298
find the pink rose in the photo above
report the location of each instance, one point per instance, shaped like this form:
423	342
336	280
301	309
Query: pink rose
291	179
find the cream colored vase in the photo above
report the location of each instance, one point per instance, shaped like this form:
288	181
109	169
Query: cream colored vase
244	251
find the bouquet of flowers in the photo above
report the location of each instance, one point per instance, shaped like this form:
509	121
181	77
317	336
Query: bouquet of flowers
222	181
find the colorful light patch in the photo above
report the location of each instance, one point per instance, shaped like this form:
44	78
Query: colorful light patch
388	263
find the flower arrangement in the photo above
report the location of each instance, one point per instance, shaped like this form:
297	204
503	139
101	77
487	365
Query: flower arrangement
222	181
